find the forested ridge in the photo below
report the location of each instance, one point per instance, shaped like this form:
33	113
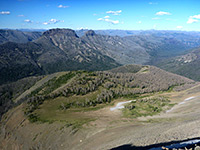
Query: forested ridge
88	89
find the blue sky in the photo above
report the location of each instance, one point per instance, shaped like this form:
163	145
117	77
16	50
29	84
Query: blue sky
101	14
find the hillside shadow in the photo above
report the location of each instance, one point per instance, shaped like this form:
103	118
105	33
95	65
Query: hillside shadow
159	145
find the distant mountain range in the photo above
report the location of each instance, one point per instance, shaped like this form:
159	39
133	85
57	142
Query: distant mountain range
24	54
123	33
187	65
18	36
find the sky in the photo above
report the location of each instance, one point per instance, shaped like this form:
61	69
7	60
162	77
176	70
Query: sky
101	14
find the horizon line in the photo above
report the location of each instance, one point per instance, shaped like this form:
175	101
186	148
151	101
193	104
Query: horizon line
99	29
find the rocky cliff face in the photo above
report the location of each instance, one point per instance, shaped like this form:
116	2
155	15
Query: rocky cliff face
56	50
64	32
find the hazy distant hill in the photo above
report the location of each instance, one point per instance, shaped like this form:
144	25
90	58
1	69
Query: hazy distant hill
187	65
17	36
120	33
32	30
160	33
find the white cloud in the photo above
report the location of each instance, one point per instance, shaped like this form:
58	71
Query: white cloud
109	20
107	17
160	13
112	21
114	12
193	19
100	19
45	23
28	21
179	27
196	16
52	21
61	6
5	13
139	22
